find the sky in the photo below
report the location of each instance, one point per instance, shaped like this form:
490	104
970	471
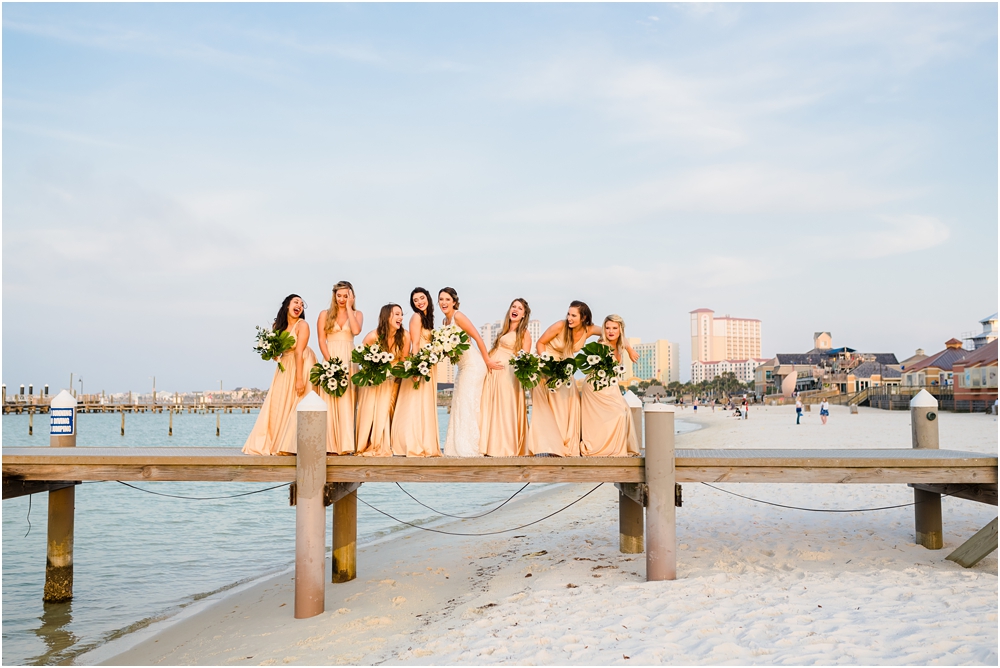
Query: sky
172	171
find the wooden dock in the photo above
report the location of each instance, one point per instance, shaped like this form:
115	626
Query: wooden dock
39	408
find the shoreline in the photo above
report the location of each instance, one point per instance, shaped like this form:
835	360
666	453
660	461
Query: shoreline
766	585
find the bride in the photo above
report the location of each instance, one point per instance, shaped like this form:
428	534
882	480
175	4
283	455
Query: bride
463	427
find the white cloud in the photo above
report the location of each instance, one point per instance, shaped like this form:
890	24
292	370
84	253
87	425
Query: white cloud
903	234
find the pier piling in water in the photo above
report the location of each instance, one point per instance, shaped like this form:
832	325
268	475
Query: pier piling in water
62	502
661	515
927	511
310	510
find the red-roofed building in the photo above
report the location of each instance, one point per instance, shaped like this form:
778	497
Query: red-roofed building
976	378
936	369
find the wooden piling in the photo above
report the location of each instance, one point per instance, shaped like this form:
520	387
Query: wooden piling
31	423
123	422
218	429
62	503
170	429
310	512
927	511
630	525
345	538
661	516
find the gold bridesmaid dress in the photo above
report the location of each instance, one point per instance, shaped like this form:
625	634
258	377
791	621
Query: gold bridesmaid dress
340	410
503	416
606	423
274	430
415	421
555	416
373	433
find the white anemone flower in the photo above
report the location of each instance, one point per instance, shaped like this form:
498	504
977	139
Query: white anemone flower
434	358
374	348
343	383
389	357
359	349
601	373
614	381
569	368
546	357
593	359
407	365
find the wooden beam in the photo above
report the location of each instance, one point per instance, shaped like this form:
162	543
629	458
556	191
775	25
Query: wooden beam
972	551
982	493
14	487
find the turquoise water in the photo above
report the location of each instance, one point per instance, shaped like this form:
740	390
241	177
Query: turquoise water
140	558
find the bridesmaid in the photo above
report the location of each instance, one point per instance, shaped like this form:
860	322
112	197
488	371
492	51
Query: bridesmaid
503	417
337	326
555	416
375	404
415	422
274	431
606	423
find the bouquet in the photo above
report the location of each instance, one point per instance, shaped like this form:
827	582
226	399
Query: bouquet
417	366
449	341
598	362
556	372
525	366
375	365
272	345
333	376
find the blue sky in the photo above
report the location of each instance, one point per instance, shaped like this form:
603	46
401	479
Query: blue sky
172	171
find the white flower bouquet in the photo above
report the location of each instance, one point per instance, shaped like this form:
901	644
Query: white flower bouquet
450	341
525	367
418	366
272	345
598	363
332	376
556	372
374	363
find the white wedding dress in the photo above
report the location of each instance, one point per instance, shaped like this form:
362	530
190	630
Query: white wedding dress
463	425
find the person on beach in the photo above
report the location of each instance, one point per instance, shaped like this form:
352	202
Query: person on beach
746	409
462	439
798	410
694	406
606	428
373	434
274	431
336	327
824	410
415	421
503	424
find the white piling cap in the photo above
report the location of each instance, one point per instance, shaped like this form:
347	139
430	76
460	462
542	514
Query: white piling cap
658	408
632	400
63	400
311	402
923	399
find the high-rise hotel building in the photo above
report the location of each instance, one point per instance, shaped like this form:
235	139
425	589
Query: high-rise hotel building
724	339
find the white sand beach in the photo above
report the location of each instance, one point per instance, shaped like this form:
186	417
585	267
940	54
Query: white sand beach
756	584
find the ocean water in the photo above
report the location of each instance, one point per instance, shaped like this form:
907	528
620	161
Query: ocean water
140	558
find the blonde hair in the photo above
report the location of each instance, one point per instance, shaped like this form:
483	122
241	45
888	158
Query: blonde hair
522	326
620	345
334	310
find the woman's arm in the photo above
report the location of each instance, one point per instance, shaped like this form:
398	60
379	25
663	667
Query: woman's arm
406	345
370	338
547	336
466	325
301	341
354	318
416	325
632	355
526	342
320	330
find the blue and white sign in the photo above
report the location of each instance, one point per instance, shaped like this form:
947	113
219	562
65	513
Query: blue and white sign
62	421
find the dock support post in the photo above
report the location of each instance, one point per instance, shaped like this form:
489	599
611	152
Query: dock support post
310	511
630	534
661	515
927	511
62	505
345	538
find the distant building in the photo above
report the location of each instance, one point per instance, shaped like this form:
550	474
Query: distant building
917	356
743	369
985	337
658	359
726	338
937	368
975	376
446	372
491	330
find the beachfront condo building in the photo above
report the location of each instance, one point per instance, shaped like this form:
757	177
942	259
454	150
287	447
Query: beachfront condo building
491	330
742	369
715	339
657	359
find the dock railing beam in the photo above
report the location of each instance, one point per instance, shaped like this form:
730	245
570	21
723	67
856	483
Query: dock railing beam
661	515
310	510
62	507
927	511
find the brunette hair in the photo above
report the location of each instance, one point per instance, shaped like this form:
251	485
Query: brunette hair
522	326
334	310
586	320
620	344
281	320
382	331
452	293
426	317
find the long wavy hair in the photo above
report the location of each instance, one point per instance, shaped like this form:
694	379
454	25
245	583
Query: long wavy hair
281	320
334	311
426	317
522	326
586	320
620	344
382	331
